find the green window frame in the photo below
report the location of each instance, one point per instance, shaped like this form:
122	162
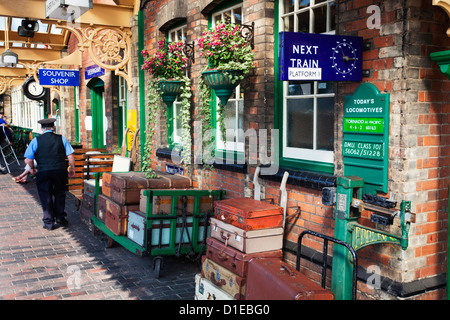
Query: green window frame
304	109
122	102
234	146
76	94
177	33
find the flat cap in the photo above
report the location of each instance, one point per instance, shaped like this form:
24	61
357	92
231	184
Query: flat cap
47	122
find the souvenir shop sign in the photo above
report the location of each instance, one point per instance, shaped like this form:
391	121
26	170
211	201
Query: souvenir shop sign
59	77
365	147
309	56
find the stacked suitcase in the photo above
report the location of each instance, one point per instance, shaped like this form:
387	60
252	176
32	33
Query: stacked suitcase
118	205
243	258
241	229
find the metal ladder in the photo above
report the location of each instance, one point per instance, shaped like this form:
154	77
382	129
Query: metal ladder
7	151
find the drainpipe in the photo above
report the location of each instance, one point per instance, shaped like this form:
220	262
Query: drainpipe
141	84
442	58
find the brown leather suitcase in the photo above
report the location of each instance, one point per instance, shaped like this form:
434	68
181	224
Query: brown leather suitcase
163	204
233	259
125	187
101	207
248	214
224	278
252	241
116	216
273	279
106	183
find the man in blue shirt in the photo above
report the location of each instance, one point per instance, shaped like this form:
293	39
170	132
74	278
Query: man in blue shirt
50	151
7	127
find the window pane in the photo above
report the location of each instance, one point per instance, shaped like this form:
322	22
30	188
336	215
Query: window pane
325	117
237	16
230	120
325	87
300	118
227	16
288	6
303	22
288	23
303	3
177	120
297	88
241	120
332	9
320	19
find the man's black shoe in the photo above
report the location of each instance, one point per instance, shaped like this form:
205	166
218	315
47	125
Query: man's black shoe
62	222
47	227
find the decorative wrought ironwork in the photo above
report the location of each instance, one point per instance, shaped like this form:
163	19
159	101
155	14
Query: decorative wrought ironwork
189	52
248	33
108	47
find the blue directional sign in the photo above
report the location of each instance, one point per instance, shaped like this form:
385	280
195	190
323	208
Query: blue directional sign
309	56
59	77
93	71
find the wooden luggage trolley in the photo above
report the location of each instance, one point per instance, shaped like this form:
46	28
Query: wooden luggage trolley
168	222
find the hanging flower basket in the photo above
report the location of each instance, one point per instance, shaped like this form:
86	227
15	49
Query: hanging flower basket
223	82
170	89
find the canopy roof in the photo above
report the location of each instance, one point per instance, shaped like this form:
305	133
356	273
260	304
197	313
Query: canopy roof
51	39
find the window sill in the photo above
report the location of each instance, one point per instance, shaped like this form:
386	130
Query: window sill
304	179
166	153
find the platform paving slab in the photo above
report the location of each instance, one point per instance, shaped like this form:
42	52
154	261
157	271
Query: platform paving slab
71	263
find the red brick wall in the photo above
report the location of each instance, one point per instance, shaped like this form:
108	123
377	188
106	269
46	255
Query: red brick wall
419	144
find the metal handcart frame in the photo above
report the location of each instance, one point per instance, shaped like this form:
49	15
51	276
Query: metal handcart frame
178	220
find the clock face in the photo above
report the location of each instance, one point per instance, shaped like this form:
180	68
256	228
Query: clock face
344	58
33	90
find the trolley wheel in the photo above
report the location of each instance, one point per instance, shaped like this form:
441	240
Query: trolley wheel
157	265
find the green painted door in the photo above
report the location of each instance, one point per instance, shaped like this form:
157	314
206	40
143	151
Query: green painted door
98	115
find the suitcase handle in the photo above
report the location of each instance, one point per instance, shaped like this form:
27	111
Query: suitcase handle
135	227
225	238
220	283
222	255
288	269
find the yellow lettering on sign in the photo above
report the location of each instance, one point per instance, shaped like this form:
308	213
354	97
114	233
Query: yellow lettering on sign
363	237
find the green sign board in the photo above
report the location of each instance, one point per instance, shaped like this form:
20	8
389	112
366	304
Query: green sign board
365	147
364	125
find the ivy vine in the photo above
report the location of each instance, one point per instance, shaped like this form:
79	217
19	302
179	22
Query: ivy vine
154	104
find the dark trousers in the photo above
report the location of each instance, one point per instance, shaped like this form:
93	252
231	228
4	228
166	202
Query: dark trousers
52	186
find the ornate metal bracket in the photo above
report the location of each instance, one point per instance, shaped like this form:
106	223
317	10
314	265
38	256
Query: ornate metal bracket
248	33
108	47
189	52
363	236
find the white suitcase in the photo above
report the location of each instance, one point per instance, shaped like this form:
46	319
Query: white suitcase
205	290
136	227
252	241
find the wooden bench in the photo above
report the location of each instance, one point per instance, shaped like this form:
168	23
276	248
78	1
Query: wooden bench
87	162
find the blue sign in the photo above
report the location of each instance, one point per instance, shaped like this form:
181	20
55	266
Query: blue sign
59	77
93	71
309	56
